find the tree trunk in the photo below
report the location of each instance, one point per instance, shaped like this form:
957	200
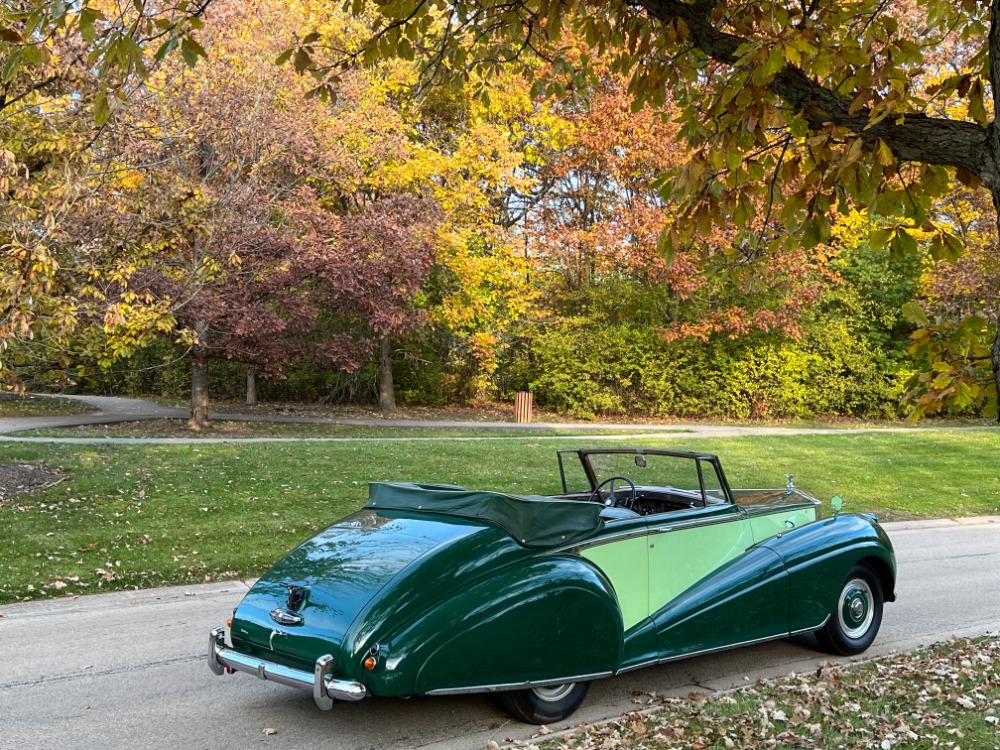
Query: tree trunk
199	381
386	396
251	388
995	349
995	361
993	45
199	393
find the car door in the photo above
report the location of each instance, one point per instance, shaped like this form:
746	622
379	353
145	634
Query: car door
620	552
709	587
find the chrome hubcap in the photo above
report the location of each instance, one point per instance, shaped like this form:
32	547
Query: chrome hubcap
856	611
554	692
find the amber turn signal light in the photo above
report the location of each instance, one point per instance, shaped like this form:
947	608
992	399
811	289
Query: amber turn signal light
370	662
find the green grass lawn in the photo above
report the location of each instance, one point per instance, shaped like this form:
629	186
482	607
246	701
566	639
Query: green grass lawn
140	516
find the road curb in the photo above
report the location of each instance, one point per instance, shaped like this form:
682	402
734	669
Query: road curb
893	526
130	598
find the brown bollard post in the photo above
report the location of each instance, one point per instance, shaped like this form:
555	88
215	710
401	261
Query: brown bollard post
522	406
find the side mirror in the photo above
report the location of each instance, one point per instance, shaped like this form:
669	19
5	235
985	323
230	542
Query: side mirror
838	504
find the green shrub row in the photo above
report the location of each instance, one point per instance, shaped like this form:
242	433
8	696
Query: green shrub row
589	371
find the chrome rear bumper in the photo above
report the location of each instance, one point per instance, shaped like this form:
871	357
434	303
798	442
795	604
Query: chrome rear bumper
324	687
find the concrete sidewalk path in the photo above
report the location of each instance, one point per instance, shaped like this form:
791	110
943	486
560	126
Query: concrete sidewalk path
108	410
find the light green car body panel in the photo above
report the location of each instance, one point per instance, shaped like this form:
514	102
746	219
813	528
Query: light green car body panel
650	571
625	562
453	602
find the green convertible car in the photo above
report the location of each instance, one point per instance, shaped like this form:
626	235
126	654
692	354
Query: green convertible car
645	557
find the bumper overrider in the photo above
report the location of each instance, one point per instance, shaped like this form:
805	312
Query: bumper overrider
325	688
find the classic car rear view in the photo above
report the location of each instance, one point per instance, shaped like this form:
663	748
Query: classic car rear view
646	556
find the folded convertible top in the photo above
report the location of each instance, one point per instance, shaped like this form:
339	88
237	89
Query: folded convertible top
532	520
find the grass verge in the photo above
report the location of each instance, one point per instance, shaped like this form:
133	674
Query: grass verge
176	428
947	696
138	516
29	405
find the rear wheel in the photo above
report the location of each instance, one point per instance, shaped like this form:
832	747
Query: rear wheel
856	616
542	705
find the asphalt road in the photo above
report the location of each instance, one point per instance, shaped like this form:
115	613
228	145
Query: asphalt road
127	670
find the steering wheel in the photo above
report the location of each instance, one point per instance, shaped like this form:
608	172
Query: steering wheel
612	501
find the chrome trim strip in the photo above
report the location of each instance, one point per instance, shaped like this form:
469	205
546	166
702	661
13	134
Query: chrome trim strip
640	665
645	531
620	537
518	685
693	523
705	652
767	510
812	629
702	522
321	683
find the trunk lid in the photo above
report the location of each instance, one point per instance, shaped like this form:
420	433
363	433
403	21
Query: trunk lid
339	571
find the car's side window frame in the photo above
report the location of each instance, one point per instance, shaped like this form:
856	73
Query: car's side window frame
727	495
584	470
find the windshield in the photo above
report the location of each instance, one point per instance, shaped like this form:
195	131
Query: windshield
688	472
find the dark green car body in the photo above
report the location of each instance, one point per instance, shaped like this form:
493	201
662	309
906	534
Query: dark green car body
433	589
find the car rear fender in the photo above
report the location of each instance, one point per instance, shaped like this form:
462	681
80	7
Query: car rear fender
542	620
818	557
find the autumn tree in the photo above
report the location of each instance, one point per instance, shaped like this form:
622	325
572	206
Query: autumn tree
367	271
718	302
47	291
954	311
481	291
223	203
802	108
598	222
598	216
478	160
64	67
794	112
200	158
47	294
374	126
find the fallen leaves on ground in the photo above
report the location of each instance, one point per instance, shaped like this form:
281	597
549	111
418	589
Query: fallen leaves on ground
945	697
18	478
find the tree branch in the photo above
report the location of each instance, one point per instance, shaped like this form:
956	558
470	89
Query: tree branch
915	137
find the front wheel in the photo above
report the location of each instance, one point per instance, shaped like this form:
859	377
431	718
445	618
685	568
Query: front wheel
857	615
542	705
